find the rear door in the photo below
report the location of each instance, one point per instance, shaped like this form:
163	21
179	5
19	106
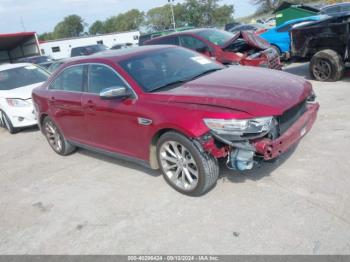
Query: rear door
65	102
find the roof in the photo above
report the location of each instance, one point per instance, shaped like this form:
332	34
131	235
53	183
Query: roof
120	54
285	5
12	66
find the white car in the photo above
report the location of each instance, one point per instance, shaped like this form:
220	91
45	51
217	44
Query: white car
16	84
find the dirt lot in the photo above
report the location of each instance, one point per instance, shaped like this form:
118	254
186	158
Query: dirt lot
92	204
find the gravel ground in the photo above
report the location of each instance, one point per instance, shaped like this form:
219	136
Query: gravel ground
92	204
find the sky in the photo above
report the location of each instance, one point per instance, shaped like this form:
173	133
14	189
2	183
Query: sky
42	15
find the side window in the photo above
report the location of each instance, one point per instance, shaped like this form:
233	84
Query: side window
168	41
192	43
71	79
102	77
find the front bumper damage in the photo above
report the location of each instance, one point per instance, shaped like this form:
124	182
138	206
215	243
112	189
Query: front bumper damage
243	154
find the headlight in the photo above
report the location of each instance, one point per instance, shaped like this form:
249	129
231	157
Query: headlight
16	102
239	128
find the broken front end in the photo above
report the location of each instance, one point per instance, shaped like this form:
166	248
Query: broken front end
249	49
245	142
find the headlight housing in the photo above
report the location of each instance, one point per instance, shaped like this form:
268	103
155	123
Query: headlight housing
239	129
16	102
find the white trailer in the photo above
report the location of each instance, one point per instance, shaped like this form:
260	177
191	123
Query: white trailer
59	49
18	45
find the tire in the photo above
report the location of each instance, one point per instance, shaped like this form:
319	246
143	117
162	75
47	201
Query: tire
193	164
327	66
56	139
6	123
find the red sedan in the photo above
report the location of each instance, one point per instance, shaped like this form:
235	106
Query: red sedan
243	48
172	109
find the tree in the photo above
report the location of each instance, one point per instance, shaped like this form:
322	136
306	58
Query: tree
97	27
128	21
208	12
192	12
46	36
159	18
71	26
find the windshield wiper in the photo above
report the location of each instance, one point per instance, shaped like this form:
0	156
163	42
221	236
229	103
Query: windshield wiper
185	80
204	73
168	85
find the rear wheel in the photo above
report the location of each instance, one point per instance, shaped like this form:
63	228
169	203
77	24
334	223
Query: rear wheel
184	166
56	139
327	65
6	123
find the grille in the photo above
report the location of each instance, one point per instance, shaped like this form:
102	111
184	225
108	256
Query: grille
291	116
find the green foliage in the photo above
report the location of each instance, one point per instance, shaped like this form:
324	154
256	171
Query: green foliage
128	21
197	13
71	26
97	28
46	36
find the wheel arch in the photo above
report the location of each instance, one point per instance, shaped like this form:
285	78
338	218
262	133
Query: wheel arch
153	145
41	120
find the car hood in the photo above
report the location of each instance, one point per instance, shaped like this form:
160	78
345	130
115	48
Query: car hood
256	91
251	38
24	92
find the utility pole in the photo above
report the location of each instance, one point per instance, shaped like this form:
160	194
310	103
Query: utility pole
22	23
172	12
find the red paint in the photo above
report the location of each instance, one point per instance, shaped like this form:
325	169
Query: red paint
272	149
232	93
268	58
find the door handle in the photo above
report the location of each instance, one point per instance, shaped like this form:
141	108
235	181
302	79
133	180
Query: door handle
90	104
52	99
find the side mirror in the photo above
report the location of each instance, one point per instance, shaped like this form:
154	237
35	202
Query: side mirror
115	93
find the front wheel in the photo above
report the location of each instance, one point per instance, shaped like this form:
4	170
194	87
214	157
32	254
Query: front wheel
184	166
6	123
56	139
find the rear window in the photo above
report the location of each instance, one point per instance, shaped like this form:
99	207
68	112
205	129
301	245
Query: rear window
22	76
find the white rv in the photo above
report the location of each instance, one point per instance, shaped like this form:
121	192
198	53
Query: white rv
59	49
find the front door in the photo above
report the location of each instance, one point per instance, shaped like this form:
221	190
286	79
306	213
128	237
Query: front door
112	124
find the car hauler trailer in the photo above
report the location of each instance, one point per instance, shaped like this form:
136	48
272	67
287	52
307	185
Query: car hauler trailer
61	48
18	45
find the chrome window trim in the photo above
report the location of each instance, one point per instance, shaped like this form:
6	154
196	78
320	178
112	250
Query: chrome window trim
57	76
86	91
135	96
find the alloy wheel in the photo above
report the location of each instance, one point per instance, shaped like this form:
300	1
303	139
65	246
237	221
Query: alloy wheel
53	136
179	165
322	69
2	122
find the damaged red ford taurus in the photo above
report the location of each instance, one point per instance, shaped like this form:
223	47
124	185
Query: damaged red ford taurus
172	109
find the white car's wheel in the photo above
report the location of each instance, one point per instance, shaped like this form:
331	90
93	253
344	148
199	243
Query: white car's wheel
6	123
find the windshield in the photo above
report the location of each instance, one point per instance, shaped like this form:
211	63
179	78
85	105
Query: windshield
217	37
21	76
161	68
